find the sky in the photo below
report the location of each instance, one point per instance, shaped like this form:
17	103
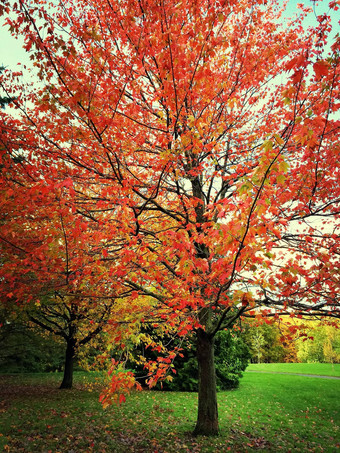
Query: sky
12	53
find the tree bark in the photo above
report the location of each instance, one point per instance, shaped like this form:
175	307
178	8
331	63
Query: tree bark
68	368
207	418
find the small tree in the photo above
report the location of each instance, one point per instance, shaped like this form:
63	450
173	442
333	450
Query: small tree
75	323
258	342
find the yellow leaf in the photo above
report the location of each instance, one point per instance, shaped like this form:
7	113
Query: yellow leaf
279	140
283	166
191	120
281	179
267	145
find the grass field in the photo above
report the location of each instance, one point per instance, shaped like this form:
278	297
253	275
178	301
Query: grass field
322	369
269	412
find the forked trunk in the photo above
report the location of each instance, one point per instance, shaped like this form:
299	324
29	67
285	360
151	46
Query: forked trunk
207	418
68	369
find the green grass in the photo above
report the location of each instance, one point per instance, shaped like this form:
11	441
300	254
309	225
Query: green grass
268	412
322	369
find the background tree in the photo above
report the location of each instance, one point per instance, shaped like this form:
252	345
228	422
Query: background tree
48	267
269	342
190	132
24	349
76	323
258	343
323	344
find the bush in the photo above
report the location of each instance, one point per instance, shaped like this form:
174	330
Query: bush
231	359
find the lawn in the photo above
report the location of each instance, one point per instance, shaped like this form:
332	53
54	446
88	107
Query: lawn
322	369
268	412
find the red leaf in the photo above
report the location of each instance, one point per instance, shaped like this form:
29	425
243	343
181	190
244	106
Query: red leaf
320	68
68	182
296	62
297	76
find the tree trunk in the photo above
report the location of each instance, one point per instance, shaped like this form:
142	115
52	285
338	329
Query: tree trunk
68	369
207	418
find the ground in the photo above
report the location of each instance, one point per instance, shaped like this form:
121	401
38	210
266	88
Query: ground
269	412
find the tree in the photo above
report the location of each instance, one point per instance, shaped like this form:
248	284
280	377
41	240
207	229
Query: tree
24	349
322	344
271	342
258	342
46	267
190	132
77	324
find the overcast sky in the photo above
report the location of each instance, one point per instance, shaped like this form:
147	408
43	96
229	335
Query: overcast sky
12	53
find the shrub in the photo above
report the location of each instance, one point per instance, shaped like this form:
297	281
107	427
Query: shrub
231	359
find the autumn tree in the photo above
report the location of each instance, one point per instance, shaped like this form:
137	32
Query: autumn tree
204	134
48	267
53	267
37	256
77	324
